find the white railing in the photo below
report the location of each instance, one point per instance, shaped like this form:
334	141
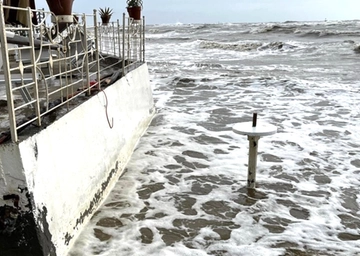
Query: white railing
50	65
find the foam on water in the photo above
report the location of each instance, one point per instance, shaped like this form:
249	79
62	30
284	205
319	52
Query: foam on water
184	191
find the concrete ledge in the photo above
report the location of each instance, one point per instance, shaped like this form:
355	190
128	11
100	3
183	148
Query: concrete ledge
72	165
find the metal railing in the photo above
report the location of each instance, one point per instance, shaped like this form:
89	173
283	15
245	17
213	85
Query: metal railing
49	65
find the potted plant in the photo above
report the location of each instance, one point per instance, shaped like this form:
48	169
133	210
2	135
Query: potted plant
134	8
105	15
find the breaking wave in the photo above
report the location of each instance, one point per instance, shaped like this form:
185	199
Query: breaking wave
302	30
326	33
274	29
228	46
163	63
208	65
244	47
159	31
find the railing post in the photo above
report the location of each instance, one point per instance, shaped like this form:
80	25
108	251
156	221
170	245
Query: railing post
118	37
34	69
143	53
123	47
100	30
97	48
7	75
113	37
140	39
128	40
86	54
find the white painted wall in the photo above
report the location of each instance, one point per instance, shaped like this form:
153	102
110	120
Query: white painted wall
66	163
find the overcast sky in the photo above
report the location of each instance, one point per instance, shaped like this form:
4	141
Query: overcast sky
222	11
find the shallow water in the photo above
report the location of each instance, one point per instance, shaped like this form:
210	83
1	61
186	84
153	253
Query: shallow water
184	191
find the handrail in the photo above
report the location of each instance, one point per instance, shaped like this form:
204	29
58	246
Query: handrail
44	70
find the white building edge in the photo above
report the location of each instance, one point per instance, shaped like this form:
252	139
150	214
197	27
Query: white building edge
53	180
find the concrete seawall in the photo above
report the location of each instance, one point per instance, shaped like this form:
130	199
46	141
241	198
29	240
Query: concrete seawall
60	175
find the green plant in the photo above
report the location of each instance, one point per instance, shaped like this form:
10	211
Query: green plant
106	12
134	3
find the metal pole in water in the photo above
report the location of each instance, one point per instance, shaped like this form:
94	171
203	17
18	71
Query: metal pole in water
253	150
254	131
254	120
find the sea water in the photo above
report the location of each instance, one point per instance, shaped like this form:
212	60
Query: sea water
184	190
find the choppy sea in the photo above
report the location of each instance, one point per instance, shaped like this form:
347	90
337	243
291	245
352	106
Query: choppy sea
184	190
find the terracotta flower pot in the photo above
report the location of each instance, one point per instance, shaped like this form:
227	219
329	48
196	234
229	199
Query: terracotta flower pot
60	7
134	12
105	19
